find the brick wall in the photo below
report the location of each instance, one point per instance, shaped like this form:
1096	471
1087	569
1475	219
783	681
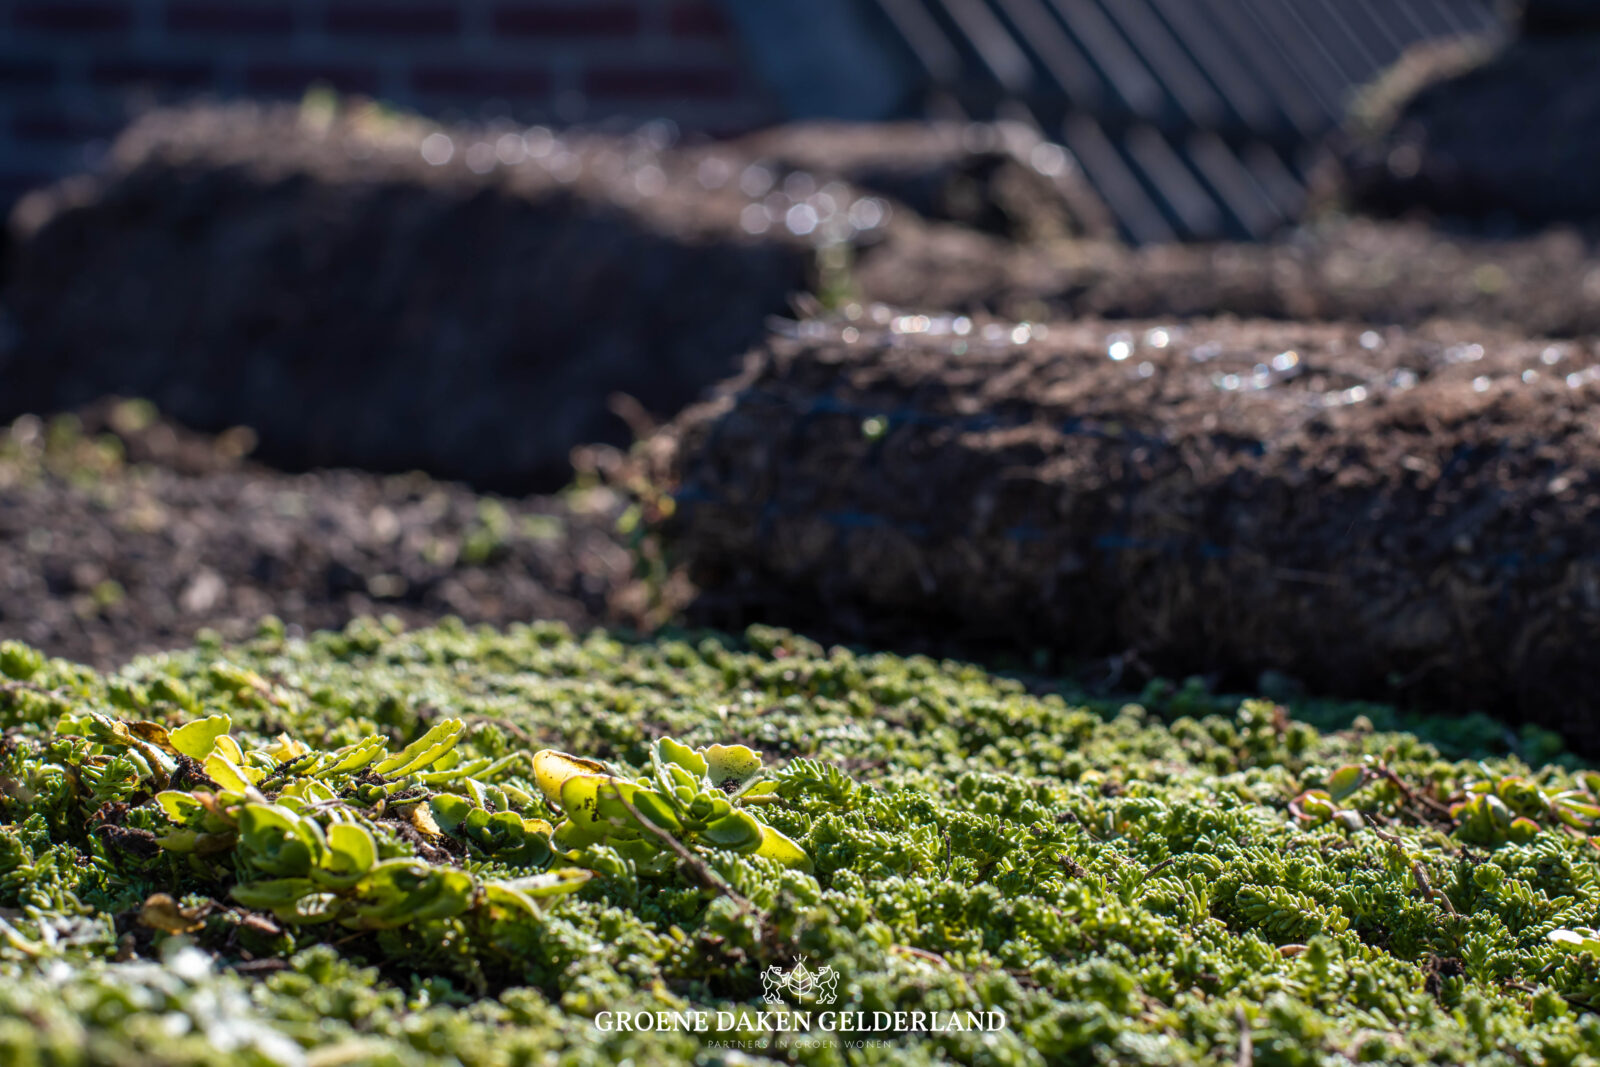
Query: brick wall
73	71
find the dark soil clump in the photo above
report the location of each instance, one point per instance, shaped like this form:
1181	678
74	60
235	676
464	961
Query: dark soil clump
102	557
320	281
373	291
1356	270
1406	515
1466	129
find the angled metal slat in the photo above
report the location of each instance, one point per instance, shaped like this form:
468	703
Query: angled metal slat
1141	220
1188	200
922	35
1061	59
1165	59
1192	118
1372	25
1340	42
1106	48
1309	57
1282	78
1275	178
1231	78
992	42
1238	189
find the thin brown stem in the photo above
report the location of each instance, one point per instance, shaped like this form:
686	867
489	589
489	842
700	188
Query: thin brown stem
702	870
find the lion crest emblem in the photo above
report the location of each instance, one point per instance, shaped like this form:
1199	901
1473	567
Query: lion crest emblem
801	983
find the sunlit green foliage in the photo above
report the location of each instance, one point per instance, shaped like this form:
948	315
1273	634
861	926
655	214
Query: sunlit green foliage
342	850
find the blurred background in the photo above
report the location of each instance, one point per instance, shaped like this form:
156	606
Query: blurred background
316	309
1192	120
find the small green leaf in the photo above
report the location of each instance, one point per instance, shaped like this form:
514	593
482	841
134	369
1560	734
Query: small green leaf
549	884
776	846
226	773
1579	939
730	767
423	751
551	769
658	809
569	835
1346	780
450	811
351	848
179	806
666	750
354	757
196	739
273	893
738	832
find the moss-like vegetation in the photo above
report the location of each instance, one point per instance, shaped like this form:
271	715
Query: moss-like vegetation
205	859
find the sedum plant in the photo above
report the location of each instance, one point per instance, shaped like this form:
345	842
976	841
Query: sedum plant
302	828
697	797
1487	808
1126	884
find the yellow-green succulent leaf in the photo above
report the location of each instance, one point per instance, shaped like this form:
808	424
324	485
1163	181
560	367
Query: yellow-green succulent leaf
198	738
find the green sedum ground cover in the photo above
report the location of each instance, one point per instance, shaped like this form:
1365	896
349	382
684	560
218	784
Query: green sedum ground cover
206	859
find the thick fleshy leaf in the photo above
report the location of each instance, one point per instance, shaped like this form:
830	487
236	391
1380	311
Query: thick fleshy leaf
272	893
1346	780
352	758
161	912
154	734
738	832
776	846
594	802
423	751
763	791
404	891
549	884
311	909
450	811
657	809
569	835
1580	939
551	769
667	750
229	775
351	848
179	806
680	782
730	767
196	739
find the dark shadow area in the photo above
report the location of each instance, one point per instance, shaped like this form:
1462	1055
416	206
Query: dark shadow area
390	325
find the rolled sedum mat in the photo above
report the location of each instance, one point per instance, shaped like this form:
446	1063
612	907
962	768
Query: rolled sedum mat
1408	515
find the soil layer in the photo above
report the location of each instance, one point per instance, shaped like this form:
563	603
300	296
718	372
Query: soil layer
1400	514
121	535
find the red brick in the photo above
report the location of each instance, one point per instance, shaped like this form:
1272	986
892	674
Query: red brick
223	16
297	77
72	16
698	20
388	19
187	74
569	20
477	80
635	83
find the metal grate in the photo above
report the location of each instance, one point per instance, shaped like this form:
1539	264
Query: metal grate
1193	118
